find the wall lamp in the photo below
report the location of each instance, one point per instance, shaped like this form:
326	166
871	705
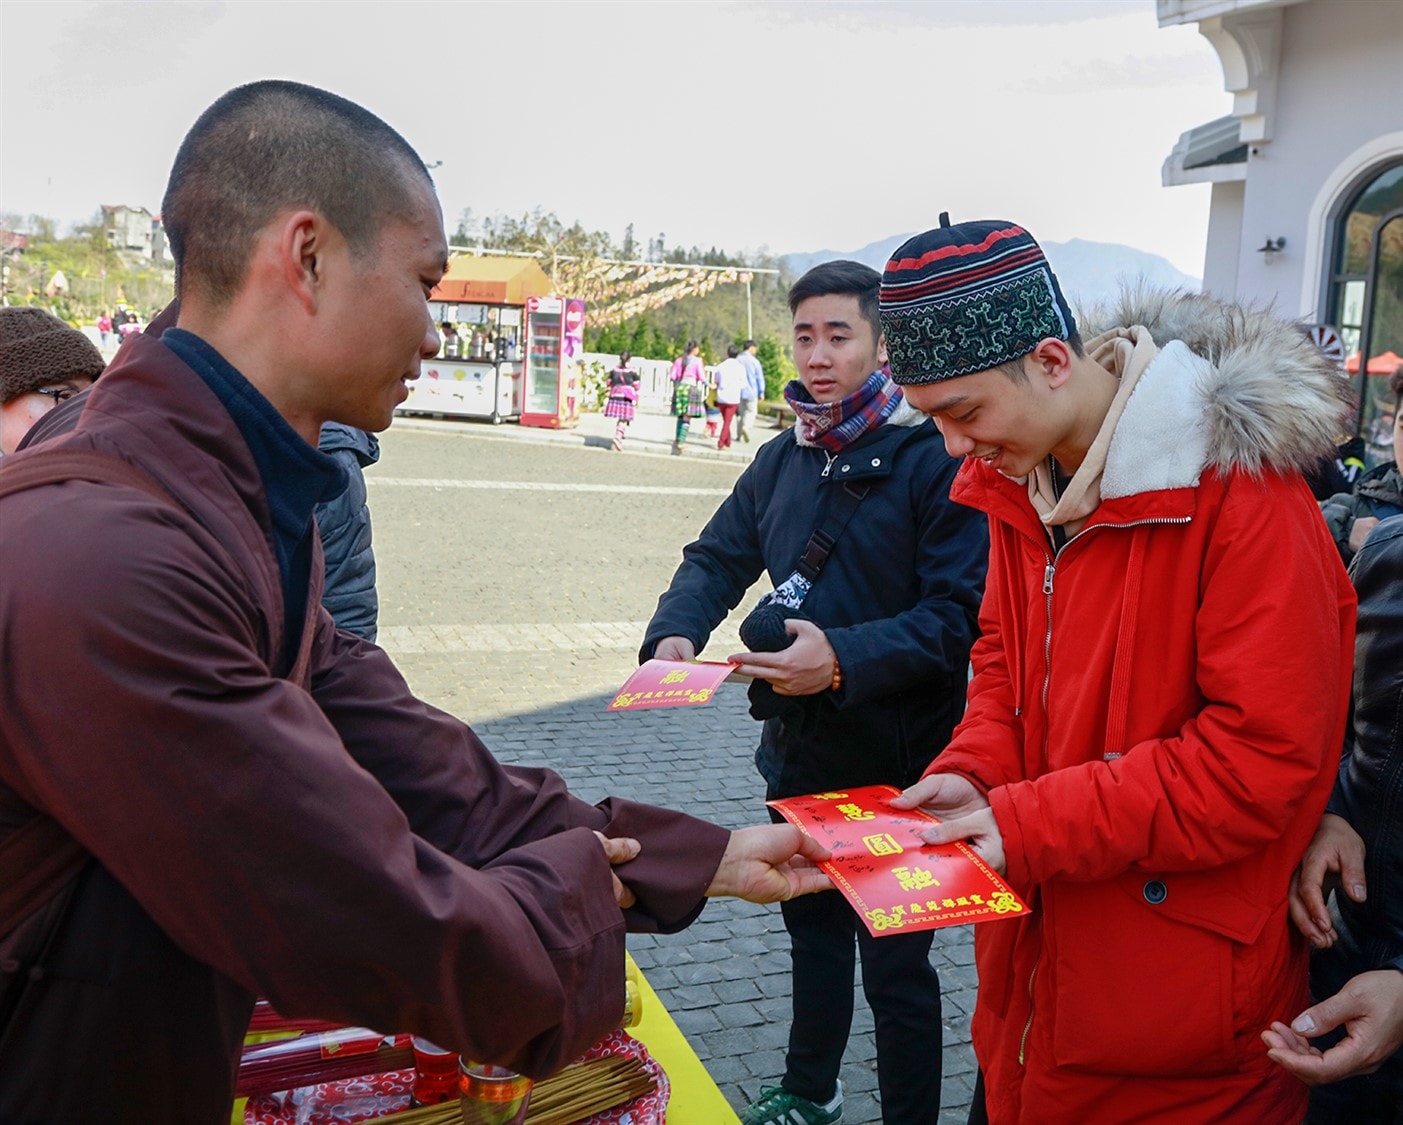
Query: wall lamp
1270	248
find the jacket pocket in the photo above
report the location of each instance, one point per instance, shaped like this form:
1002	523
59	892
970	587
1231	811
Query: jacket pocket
1140	985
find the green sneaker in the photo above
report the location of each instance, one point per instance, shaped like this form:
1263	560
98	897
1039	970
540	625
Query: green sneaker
777	1106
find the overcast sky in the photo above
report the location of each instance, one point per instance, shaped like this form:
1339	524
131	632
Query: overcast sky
789	125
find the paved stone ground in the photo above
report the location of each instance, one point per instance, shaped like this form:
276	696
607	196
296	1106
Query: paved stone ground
516	572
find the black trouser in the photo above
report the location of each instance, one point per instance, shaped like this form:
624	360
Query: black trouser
902	989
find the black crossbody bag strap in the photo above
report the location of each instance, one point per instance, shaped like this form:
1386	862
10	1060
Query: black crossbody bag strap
836	516
41	857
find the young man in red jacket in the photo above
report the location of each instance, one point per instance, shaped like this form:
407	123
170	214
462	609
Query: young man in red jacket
1160	686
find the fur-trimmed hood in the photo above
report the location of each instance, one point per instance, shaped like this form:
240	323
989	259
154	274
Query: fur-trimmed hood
1231	387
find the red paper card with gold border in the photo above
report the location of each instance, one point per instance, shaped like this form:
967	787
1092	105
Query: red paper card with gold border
895	882
670	683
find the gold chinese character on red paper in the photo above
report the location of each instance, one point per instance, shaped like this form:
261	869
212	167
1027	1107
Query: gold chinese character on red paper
855	812
678	677
884	844
914	878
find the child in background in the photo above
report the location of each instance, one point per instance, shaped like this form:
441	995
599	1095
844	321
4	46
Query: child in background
623	398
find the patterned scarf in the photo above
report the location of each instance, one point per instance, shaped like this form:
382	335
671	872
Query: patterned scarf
832	425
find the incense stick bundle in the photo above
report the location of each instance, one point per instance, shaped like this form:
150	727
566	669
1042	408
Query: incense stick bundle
579	1091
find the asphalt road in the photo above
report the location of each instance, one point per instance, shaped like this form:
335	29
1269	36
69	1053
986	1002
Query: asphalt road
516	575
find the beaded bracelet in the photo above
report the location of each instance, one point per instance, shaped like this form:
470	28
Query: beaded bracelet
837	675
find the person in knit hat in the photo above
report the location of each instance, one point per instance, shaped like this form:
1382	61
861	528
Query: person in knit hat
1159	693
43	362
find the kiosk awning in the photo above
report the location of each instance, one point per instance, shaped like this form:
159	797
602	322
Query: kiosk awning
492	281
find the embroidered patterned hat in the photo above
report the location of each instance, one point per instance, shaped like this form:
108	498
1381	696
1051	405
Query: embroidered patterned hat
966	298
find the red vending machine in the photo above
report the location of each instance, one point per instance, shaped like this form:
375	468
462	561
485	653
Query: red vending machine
554	349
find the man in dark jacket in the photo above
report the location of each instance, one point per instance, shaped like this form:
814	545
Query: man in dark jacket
263	805
344	525
1357	970
1377	494
870	681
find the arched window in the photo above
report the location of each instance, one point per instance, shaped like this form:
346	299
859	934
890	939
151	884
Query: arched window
1366	292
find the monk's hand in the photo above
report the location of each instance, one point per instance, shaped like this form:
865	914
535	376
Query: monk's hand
769	863
620	849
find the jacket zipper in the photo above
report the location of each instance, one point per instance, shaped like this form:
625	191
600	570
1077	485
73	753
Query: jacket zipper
1049	574
828	467
1028	1025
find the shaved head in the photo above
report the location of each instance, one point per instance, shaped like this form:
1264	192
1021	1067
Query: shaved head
273	147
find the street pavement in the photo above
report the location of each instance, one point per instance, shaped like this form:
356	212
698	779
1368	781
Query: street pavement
517	569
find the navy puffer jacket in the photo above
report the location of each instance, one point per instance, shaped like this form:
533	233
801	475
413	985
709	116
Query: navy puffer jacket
898	599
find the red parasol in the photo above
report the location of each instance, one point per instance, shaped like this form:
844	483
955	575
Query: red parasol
1385	363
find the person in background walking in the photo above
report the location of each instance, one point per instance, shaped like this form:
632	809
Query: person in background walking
688	391
752	390
623	398
104	327
730	379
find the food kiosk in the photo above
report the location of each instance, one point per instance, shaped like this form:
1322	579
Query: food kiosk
480	373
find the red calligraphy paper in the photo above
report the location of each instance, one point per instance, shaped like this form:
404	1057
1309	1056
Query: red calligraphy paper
670	683
896	882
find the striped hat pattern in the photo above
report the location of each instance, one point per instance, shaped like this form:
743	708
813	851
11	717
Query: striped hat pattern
966	298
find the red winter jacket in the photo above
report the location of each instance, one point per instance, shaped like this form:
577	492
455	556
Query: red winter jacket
1156	714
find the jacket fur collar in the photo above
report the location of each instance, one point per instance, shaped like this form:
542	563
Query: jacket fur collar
1231	388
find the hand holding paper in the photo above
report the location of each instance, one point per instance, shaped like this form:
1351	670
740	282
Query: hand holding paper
979	828
942	795
894	880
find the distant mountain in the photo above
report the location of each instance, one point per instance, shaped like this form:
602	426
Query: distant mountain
1089	272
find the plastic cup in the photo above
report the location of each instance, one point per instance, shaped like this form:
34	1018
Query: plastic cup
435	1072
492	1095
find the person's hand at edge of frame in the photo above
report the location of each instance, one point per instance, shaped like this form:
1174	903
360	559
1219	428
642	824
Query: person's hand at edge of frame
620	849
1370	1006
674	648
804	668
769	863
1333	858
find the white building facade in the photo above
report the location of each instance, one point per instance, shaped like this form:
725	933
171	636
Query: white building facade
1307	170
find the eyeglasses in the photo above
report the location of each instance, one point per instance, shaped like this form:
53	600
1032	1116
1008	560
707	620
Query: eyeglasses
58	394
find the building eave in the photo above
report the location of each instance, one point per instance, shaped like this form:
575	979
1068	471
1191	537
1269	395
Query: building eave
1175	13
1211	153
